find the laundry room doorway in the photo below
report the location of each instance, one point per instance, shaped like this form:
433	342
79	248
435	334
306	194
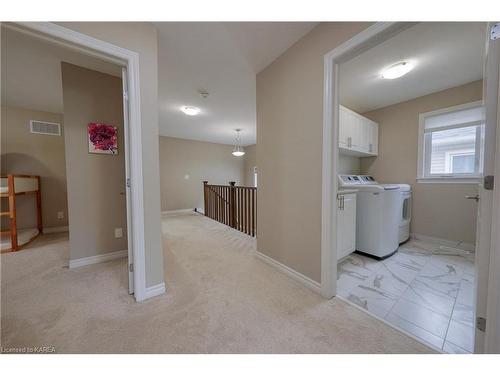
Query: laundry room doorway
405	203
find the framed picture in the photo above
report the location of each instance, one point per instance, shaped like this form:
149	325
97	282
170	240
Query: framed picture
102	138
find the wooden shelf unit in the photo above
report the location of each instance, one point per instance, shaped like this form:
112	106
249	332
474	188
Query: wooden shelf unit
11	194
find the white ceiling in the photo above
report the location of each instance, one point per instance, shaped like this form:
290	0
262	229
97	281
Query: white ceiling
31	71
447	54
222	58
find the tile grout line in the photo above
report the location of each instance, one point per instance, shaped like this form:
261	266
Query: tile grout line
401	296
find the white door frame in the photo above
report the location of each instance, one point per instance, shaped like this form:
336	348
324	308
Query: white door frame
130	248
488	299
366	39
130	60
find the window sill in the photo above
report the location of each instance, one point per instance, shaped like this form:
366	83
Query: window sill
449	180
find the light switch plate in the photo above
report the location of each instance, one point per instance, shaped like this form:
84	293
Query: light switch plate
118	232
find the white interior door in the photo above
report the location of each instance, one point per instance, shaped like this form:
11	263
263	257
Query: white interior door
127	182
486	298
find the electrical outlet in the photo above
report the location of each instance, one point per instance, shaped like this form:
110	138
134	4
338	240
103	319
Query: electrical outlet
118	232
60	215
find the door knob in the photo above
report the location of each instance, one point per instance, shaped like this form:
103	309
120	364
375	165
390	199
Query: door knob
476	197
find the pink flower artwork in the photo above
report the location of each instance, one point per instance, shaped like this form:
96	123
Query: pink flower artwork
102	138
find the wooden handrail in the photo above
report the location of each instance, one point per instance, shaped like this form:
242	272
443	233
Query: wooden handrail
235	206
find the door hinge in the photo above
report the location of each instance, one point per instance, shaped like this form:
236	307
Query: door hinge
495	31
481	324
125	95
489	182
128	183
131	267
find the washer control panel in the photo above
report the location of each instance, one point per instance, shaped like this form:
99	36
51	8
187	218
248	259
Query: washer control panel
353	180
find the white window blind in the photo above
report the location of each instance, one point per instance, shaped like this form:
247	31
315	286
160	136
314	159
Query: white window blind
452	144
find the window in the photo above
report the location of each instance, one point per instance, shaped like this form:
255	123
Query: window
451	144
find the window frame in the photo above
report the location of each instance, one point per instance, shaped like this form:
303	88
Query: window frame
424	152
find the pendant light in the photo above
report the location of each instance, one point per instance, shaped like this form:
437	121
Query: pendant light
238	150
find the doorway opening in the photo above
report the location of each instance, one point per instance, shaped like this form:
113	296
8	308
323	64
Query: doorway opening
83	167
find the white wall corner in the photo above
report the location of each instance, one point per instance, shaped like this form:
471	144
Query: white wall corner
101	258
297	276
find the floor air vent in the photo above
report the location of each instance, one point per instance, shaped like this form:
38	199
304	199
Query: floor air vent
44	127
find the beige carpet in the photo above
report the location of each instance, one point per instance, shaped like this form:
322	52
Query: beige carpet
220	299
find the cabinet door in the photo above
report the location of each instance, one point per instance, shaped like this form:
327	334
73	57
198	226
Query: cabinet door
365	129
375	139
356	132
372	140
344	124
346	234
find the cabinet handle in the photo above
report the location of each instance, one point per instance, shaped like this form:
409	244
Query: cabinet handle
341	203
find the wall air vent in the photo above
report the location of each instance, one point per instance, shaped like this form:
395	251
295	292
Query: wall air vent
44	127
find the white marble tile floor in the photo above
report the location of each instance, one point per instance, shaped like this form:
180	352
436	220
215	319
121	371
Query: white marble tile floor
424	289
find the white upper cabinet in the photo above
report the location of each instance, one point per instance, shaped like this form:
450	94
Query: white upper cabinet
358	135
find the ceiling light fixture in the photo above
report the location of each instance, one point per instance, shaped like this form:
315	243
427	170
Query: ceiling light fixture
397	70
238	150
190	110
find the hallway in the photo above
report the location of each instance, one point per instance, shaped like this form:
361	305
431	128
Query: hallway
220	299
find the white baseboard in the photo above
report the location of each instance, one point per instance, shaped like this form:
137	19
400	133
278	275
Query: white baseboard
80	262
56	229
155	290
460	245
297	276
178	211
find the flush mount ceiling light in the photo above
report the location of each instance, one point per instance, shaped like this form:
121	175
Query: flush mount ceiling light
190	110
397	70
238	150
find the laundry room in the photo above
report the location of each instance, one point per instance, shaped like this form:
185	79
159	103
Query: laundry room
410	161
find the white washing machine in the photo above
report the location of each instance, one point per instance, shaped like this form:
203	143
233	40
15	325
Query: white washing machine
378	210
405	215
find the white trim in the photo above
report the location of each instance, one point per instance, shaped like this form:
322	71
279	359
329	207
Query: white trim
297	276
155	290
370	36
459	245
55	229
101	258
131	61
406	333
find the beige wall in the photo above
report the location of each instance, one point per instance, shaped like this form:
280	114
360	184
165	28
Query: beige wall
289	135
142	38
439	210
349	164
26	153
185	164
95	181
250	161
